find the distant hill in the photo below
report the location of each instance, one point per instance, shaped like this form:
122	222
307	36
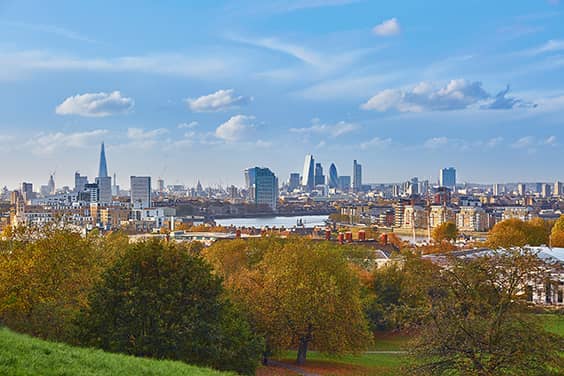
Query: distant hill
23	355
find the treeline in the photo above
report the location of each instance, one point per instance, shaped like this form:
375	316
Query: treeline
237	302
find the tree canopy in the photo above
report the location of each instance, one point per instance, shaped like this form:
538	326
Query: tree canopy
518	233
299	294
160	301
557	234
445	231
478	324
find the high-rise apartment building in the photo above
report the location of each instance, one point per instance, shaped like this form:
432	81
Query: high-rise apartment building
521	189
545	190
357	176
447	178
265	189
333	176
498	189
308	176
557	191
140	192
319	178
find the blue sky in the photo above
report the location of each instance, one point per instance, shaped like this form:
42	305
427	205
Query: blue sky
191	90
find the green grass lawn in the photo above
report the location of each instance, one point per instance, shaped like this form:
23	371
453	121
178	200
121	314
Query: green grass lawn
21	355
553	323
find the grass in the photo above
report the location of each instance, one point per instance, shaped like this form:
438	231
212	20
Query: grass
21	355
553	323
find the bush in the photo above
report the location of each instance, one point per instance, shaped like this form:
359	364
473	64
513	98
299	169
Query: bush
159	301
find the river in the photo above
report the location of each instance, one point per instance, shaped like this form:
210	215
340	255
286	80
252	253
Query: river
288	222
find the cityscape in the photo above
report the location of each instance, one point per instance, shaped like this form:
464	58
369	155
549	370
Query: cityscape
282	188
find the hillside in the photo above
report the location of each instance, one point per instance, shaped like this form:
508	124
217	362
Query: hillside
23	355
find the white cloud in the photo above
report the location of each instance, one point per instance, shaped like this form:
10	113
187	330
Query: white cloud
456	95
387	28
436	142
46	143
551	140
236	128
95	105
190	125
220	100
331	130
51	29
376	143
141	134
15	64
552	45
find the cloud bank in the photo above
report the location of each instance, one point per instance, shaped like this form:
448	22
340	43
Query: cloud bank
218	101
95	105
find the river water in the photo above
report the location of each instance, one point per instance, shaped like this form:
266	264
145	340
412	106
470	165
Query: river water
288	222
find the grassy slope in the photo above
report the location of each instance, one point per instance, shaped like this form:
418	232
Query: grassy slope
554	323
22	355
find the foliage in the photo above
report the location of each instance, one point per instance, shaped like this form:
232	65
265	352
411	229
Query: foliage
22	355
297	292
160	301
46	275
400	293
445	231
517	233
557	234
339	218
477	324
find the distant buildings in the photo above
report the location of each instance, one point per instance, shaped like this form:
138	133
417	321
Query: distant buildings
265	187
79	182
308	176
447	178
357	176
344	183
294	182
140	192
103	180
319	178
333	177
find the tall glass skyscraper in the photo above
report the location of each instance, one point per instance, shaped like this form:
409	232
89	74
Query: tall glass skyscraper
103	180
357	176
265	188
319	178
308	175
333	176
447	178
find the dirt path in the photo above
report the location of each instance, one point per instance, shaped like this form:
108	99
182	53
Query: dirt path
290	367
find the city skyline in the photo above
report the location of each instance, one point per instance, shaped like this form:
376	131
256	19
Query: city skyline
199	92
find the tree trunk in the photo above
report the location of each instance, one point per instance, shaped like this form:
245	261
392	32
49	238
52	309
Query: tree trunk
302	351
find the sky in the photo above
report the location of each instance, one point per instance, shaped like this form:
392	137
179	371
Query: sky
201	90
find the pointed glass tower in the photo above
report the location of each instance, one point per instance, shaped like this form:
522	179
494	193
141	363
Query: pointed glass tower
103	170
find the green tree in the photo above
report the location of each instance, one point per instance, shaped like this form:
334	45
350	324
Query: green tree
445	231
160	301
557	234
298	294
518	233
46	275
478	323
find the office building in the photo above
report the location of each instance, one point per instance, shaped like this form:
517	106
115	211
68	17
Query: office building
447	178
249	178
319	178
294	182
27	191
557	191
333	177
521	189
344	183
140	192
265	189
357	176
90	193
51	185
79	182
498	189
308	176
103	180
545	190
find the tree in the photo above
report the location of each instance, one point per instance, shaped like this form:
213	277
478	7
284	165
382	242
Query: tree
478	323
160	301
46	275
517	233
557	234
298	293
445	231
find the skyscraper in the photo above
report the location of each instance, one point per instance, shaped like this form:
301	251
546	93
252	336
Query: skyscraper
344	183
265	188
249	178
79	182
27	191
51	185
103	180
447	178
140	195
308	174
319	178
333	176
103	169
294	181
357	176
